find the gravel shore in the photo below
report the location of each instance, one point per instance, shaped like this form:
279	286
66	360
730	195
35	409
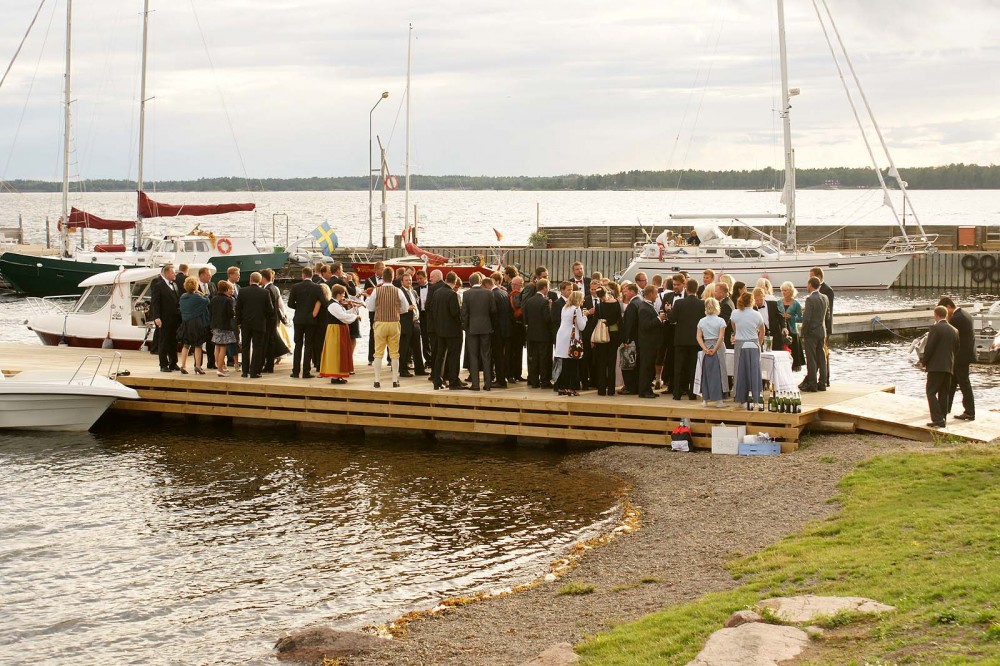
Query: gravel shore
697	511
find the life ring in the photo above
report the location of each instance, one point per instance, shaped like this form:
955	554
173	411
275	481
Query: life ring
995	275
224	245
391	183
988	261
970	262
979	276
477	260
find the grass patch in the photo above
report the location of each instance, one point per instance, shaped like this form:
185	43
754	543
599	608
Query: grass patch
920	531
576	587
827	459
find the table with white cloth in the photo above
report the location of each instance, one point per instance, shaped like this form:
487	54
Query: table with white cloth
775	366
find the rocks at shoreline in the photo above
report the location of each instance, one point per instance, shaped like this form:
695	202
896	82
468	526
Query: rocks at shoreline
560	654
808	607
312	645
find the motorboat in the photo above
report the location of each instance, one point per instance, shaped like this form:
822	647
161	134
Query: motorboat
113	311
417	258
987	336
70	400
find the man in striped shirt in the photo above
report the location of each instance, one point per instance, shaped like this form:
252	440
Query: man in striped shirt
387	302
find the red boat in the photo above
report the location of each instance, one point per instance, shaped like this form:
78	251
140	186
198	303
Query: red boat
417	258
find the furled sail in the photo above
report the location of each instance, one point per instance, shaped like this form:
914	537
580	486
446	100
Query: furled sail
150	208
80	219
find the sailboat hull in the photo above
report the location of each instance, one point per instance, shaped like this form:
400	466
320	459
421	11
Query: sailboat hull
865	271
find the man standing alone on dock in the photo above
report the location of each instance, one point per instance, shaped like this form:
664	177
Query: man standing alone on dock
938	360
827	291
814	334
962	322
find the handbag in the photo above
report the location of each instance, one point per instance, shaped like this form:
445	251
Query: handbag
601	333
575	343
627	356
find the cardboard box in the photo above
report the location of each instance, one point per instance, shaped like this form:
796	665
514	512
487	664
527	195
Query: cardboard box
726	439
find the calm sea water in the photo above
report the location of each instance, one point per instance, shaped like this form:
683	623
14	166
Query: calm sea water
204	544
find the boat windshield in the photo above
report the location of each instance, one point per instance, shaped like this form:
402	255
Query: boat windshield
94	299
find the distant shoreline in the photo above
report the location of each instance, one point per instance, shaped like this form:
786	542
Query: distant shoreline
950	177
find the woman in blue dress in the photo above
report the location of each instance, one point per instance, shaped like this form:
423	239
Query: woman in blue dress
749	336
711	338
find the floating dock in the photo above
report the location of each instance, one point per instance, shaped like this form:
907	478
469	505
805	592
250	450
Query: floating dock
516	413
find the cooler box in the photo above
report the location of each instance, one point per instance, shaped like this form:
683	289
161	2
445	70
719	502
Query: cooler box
727	439
760	449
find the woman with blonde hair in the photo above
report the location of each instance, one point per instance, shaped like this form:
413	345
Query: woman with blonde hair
337	361
791	311
747	340
193	331
711	338
572	322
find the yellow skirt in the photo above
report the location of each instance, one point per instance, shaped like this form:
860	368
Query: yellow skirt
336	360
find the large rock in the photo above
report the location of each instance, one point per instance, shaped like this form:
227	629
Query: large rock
557	655
742	617
311	645
753	644
807	608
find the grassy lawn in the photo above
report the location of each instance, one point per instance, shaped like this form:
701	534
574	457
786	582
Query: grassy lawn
918	531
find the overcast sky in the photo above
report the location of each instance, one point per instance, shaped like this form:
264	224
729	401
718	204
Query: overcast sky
498	88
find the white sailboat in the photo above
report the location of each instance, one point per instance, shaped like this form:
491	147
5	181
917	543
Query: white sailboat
780	261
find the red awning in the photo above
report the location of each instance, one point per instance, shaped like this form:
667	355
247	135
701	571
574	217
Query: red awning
150	208
78	218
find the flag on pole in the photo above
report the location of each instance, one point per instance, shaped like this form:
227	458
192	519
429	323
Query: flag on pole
325	238
499	235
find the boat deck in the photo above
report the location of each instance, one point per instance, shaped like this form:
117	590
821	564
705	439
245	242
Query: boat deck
502	413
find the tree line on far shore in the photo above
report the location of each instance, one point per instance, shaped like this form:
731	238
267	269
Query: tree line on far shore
950	177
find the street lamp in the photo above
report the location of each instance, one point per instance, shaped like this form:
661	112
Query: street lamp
371	186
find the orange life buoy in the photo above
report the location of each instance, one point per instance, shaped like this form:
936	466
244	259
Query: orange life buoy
224	245
391	182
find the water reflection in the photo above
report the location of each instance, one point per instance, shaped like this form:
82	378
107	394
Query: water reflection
198	545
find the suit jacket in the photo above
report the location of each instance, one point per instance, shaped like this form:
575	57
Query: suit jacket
406	323
302	298
479	311
211	288
254	308
686	313
825	289
537	314
611	313
814	318
505	313
430	322
447	313
274	294
556	306
164	302
941	348
179	281
630	321
588	303
586	285
650	328
962	323
726	308
775	324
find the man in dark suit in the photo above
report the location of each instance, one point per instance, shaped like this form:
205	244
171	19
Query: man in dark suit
336	276
650	332
422	287
164	309
665	357
827	291
274	346
409	333
447	315
208	289
304	298
182	274
962	322
556	304
537	315
938	359
726	307
435	284
253	312
579	280
630	334
590	302
515	345
813	334
685	314
503	330
479	310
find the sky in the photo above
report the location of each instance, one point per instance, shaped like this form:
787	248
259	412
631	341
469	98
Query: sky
285	88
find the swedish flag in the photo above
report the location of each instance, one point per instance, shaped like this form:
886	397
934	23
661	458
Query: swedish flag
325	238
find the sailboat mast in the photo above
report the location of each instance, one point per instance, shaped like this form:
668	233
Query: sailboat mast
788	194
406	197
142	121
66	129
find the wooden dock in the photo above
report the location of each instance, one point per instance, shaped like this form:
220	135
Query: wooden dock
502	414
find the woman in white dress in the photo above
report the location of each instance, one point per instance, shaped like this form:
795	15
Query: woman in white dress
572	321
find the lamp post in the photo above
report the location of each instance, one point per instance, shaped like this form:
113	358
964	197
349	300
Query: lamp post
371	244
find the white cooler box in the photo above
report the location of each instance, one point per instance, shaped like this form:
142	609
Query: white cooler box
727	439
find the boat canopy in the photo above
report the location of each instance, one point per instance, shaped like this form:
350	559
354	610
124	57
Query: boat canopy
128	275
150	208
79	218
708	231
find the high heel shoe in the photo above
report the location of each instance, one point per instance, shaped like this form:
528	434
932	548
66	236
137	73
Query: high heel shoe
198	370
184	371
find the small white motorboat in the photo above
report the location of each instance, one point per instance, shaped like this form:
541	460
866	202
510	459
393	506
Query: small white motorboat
70	400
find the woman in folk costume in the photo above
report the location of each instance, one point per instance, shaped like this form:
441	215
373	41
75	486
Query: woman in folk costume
337	361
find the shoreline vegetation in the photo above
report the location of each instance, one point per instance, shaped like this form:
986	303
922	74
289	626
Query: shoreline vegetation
949	177
908	524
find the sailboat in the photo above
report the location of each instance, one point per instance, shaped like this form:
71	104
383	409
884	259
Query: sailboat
780	261
36	275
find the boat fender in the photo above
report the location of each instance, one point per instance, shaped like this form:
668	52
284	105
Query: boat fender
988	262
995	275
979	276
224	245
391	183
970	262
